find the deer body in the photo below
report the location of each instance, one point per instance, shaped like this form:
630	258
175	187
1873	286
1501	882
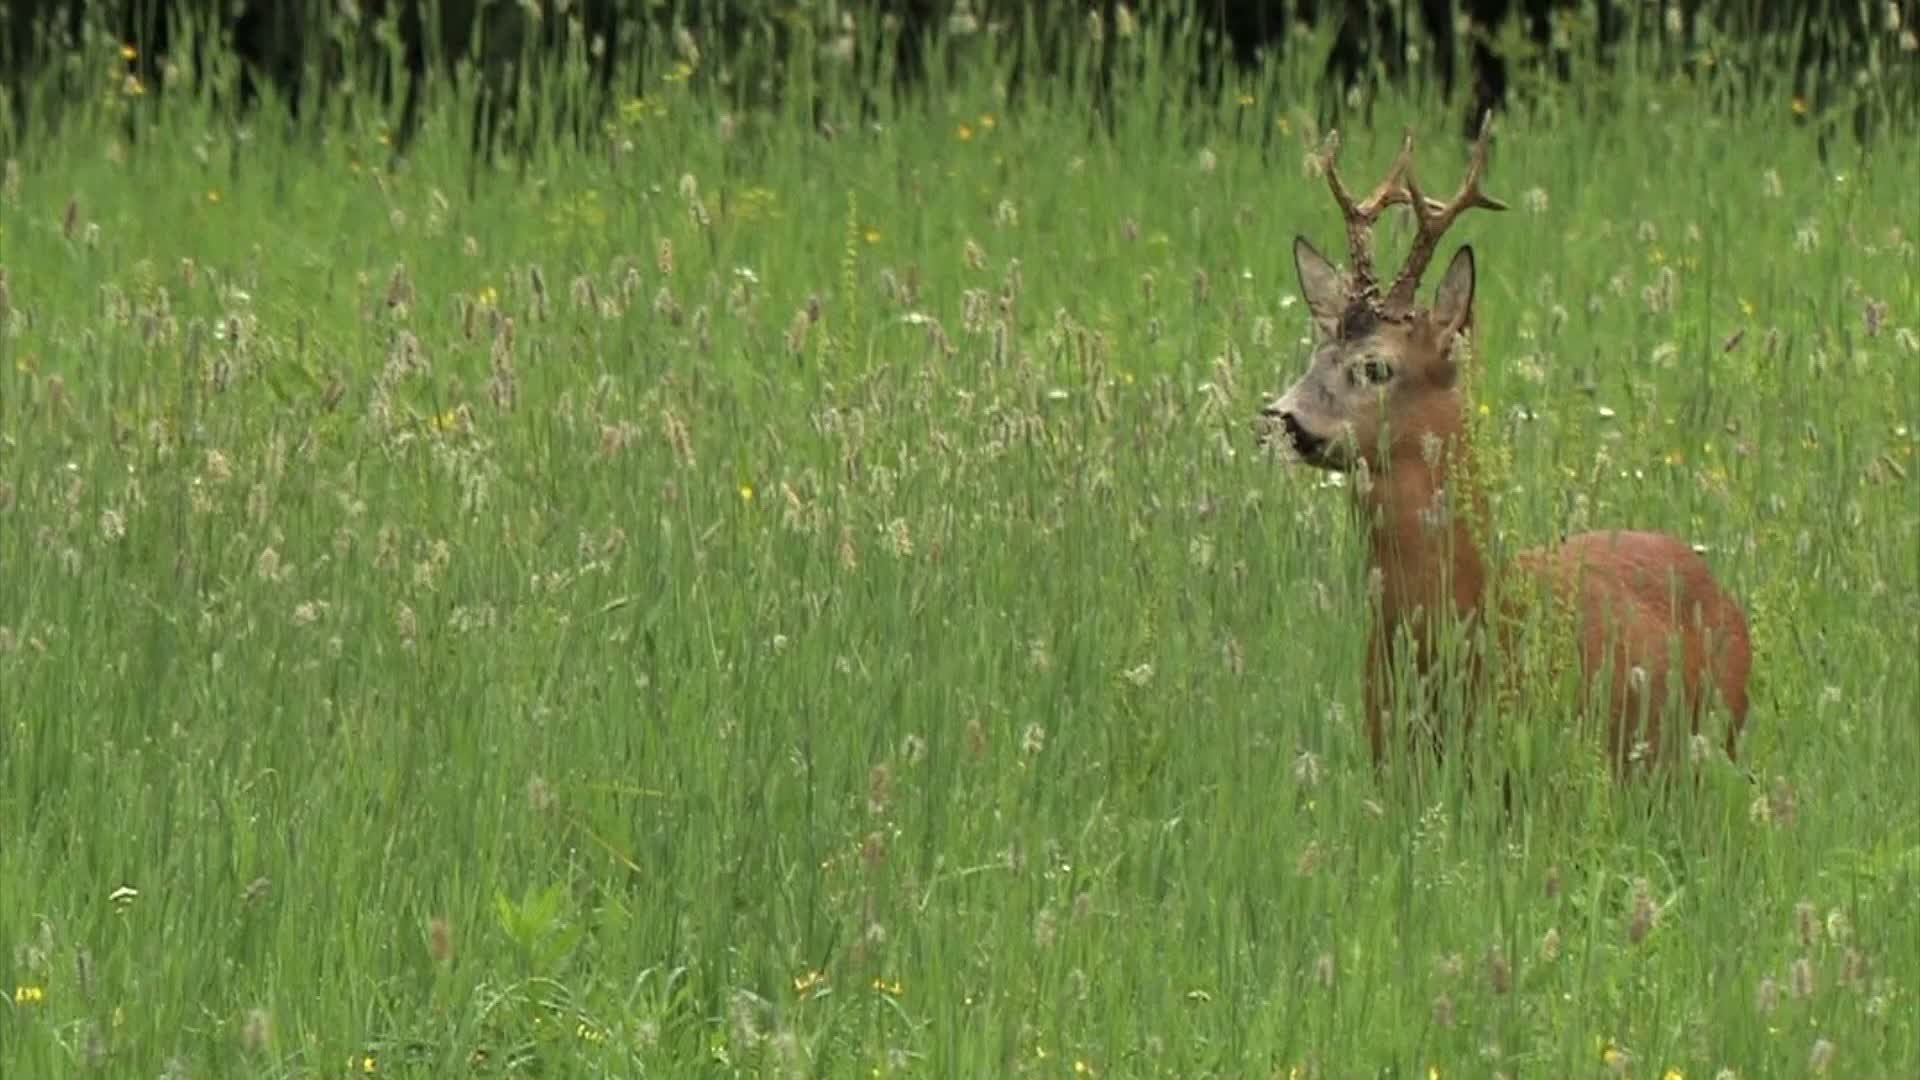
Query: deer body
1646	603
1383	399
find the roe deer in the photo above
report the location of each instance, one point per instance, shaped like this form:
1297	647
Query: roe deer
1382	399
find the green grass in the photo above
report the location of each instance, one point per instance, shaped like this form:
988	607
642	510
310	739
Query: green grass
497	633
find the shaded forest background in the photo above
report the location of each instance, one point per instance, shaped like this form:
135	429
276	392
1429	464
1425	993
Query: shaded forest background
1849	65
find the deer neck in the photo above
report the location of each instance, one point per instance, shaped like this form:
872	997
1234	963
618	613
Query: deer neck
1420	511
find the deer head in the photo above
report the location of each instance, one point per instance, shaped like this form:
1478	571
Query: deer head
1382	379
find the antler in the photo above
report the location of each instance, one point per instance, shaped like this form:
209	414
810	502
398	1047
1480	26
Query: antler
1362	215
1435	216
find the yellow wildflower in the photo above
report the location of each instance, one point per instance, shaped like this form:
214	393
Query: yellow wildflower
746	492
642	108
29	995
964	133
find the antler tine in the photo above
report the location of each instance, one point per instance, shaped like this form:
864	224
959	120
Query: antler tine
1361	216
1435	217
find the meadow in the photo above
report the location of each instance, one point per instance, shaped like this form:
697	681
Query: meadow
741	602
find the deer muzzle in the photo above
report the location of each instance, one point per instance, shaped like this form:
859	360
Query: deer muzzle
1280	421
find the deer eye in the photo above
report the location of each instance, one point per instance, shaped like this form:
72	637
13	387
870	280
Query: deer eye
1376	372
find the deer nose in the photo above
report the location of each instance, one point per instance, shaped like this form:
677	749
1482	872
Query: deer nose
1266	424
1278	423
1308	444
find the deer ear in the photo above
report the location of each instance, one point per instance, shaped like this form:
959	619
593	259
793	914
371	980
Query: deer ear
1453	303
1322	286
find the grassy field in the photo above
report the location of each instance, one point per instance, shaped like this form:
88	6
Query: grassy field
738	602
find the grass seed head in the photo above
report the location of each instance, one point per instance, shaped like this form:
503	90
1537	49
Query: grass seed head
400	292
1806	921
1046	928
1644	913
1324	970
913	748
1800	978
1309	860
976	737
678	438
1033	740
847	554
256	1033
1853	969
898	537
540	794
1783	805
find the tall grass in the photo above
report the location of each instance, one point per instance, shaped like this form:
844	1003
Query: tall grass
742	602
